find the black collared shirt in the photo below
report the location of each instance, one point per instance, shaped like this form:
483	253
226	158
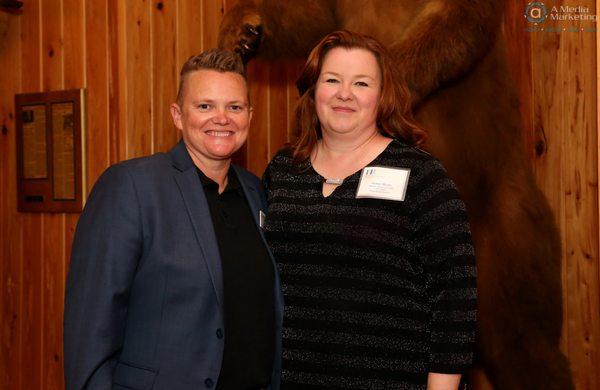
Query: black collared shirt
248	289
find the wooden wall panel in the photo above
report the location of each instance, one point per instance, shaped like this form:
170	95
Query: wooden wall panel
128	55
557	79
257	145
138	82
31	291
577	93
164	74
278	108
11	275
293	70
189	30
97	70
548	159
32	324
74	76
212	14
53	250
52	299
568	176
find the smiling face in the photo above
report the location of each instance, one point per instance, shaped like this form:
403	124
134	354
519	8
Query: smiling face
347	92
213	116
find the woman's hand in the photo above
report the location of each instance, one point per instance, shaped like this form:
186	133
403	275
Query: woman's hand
443	381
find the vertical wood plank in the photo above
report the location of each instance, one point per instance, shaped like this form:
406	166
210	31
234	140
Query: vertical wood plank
597	235
74	34
74	77
31	337
189	25
164	73
11	271
117	86
279	109
138	78
97	63
189	30
53	253
563	65
257	146
212	14
547	136
293	70
535	139
52	45
578	92
31	362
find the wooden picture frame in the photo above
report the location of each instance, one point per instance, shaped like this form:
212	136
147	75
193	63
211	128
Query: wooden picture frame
51	151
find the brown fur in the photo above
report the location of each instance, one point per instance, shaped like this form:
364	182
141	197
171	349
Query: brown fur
454	59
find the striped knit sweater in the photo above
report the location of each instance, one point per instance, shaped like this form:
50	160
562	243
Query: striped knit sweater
377	293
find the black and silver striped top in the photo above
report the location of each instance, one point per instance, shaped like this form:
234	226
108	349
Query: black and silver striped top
377	293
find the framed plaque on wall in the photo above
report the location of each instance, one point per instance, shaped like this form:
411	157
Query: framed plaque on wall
51	151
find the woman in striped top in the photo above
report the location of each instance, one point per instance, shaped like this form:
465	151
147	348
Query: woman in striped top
370	234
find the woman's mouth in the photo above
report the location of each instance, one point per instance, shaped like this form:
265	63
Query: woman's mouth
343	109
219	133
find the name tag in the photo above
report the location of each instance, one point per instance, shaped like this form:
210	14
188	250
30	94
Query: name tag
383	183
261	219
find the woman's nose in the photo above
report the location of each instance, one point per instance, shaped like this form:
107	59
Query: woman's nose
344	92
221	117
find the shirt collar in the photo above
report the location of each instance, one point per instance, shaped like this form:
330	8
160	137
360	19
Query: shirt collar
232	181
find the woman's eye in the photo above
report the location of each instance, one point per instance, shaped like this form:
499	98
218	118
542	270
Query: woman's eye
331	81
362	84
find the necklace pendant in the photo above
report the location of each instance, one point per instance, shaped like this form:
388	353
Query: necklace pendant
336	182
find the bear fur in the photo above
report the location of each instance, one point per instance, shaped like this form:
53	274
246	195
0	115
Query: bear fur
452	54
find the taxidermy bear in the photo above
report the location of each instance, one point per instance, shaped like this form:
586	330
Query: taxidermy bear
453	57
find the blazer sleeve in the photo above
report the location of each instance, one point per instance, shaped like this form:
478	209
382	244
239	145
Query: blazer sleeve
105	254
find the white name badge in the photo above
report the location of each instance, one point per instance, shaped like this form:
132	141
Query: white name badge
383	183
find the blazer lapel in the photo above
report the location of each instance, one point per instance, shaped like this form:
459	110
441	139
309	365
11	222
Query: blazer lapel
195	201
255	202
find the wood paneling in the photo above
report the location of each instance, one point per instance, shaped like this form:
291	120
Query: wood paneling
189	30
212	14
564	122
576	94
31	227
138	82
97	69
11	240
52	224
164	61
257	146
128	55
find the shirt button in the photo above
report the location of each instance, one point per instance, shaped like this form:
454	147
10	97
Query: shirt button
209	382
220	333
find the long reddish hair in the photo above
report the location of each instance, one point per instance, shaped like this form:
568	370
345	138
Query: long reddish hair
394	116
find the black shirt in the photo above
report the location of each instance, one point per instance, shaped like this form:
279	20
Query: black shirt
248	289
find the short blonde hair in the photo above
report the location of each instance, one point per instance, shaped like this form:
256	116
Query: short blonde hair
213	59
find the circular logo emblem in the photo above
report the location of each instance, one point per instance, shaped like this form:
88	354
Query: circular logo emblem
536	12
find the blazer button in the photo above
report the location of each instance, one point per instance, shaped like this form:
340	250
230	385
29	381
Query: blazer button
220	333
209	382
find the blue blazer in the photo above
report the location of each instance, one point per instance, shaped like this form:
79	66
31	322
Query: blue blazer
144	295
